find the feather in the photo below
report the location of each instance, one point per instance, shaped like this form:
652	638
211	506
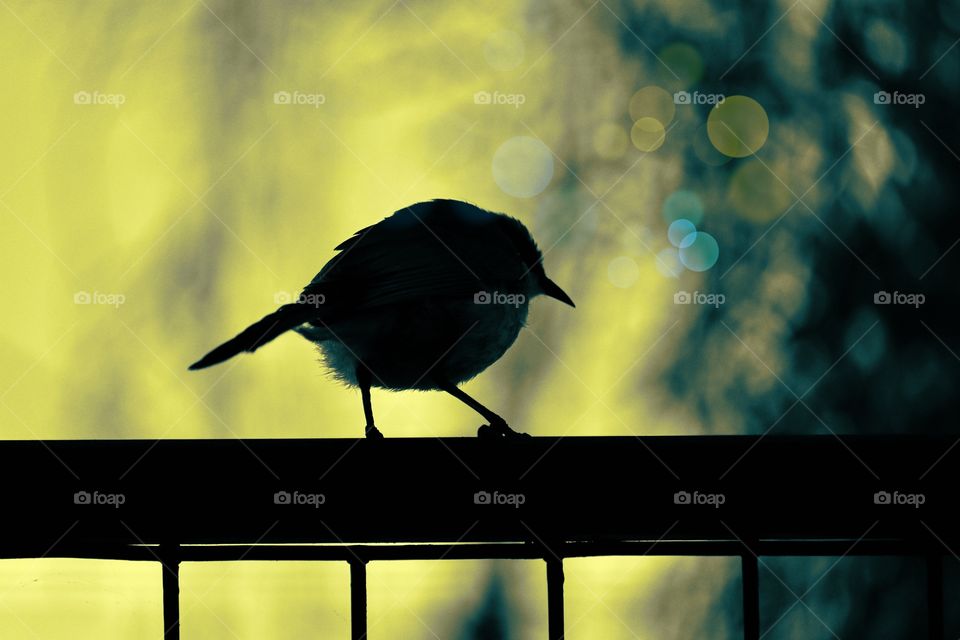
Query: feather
436	249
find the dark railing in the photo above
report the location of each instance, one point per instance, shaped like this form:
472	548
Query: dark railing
177	501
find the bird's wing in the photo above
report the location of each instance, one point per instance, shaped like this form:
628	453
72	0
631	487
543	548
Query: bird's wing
432	249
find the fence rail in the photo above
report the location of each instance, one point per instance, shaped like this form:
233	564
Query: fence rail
177	501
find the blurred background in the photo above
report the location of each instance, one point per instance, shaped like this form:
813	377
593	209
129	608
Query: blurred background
753	205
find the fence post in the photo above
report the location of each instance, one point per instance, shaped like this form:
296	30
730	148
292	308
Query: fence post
358	599
750	573
555	597
170	568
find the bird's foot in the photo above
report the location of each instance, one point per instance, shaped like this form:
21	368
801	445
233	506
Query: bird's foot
500	429
486	432
372	433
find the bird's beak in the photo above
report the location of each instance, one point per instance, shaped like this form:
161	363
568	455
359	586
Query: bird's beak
551	289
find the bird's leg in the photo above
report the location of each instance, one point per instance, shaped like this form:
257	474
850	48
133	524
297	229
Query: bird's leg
498	426
363	381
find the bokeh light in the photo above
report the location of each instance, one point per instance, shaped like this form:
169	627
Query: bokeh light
679	230
623	272
653	102
699	251
738	126
647	134
681	65
756	194
523	166
683	204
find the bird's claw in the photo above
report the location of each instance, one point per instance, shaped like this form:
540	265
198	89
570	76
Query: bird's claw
487	431
500	430
372	433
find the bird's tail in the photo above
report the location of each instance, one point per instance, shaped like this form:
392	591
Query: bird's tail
258	334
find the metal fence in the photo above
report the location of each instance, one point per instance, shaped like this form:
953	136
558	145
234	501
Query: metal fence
549	498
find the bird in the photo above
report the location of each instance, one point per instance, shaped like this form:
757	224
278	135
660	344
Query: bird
425	299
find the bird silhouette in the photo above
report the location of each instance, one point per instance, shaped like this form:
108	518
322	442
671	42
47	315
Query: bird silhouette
425	299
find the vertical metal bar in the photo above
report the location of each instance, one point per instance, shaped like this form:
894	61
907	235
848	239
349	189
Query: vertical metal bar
750	573
555	598
935	597
358	599
170	568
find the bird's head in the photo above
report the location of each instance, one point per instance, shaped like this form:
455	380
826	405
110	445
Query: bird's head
535	277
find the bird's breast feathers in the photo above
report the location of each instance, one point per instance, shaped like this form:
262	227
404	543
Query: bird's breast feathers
415	346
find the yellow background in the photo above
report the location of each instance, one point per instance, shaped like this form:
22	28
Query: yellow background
199	201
